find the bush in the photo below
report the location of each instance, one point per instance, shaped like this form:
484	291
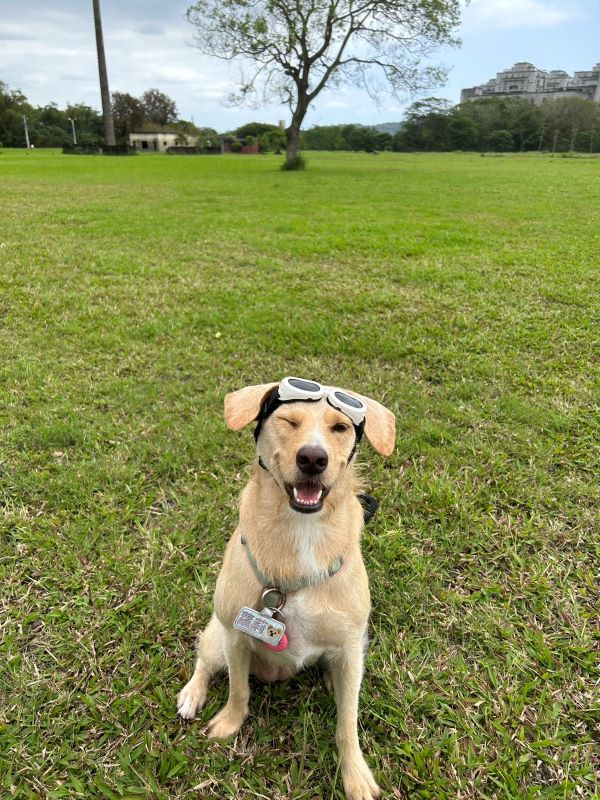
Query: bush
118	150
297	163
80	150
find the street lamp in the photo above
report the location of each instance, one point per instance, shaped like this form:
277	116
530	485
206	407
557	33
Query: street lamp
72	121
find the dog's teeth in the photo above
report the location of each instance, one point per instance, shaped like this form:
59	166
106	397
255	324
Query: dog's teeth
303	501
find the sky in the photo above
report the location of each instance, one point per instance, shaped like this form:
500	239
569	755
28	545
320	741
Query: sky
47	50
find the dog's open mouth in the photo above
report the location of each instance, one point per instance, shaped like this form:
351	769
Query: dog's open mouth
306	497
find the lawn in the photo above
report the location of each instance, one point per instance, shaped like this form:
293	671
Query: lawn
461	291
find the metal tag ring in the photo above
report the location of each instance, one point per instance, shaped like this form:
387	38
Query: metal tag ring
273	598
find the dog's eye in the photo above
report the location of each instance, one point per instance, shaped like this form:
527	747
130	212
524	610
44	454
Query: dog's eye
291	422
339	427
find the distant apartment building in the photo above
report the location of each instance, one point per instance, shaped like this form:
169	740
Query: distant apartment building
525	80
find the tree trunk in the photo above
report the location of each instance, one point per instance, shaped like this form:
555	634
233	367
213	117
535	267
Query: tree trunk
574	132
107	117
293	136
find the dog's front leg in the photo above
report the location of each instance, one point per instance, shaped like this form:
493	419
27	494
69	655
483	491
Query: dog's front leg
346	673
230	718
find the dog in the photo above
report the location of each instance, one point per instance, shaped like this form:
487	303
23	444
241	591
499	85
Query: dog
293	589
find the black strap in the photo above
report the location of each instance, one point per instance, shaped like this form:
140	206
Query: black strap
269	404
369	505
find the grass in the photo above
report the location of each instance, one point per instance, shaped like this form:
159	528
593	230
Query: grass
461	291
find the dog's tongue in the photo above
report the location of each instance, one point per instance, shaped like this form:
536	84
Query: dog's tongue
309	493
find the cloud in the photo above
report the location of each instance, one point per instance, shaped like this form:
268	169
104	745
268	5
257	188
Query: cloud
176	74
150	29
482	14
15	33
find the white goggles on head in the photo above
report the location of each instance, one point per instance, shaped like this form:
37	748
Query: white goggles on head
300	389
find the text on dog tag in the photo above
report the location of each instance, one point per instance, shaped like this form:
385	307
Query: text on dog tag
255	624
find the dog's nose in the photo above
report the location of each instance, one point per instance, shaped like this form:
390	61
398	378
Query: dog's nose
312	459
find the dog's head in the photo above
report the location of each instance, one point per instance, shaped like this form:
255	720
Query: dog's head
306	446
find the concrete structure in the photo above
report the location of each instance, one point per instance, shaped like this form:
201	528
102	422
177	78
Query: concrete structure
525	80
228	145
159	141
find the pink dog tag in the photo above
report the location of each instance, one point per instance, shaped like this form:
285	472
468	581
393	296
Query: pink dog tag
276	648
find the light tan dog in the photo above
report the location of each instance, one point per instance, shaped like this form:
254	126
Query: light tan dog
299	529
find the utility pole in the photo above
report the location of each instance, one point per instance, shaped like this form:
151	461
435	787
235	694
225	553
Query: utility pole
107	117
26	132
72	121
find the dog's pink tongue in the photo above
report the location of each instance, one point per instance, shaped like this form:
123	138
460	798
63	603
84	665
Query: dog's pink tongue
283	643
309	494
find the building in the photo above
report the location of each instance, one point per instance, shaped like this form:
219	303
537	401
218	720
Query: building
229	144
525	80
159	141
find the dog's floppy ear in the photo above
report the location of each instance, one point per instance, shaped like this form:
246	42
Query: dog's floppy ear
380	426
242	407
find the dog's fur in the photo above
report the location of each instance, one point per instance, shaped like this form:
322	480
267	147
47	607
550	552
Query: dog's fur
328	619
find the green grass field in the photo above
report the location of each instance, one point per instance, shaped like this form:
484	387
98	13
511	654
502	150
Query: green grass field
461	291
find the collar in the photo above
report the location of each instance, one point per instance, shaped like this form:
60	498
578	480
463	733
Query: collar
291	586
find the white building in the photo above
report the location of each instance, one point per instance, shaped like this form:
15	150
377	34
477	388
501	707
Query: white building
159	141
525	80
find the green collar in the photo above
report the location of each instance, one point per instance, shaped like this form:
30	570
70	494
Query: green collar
289	586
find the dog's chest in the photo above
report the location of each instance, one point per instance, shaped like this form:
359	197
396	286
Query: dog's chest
303	629
312	628
307	631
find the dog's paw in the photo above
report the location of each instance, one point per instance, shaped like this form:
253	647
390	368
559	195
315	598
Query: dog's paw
225	724
359	783
191	699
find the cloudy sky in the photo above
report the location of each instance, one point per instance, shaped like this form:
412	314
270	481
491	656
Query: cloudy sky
48	51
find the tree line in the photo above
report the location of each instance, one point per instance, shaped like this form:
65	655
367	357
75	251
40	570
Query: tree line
50	126
490	124
346	137
501	124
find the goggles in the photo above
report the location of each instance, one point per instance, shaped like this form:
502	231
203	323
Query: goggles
299	389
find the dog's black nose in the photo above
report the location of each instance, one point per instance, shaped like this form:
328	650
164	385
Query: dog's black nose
311	459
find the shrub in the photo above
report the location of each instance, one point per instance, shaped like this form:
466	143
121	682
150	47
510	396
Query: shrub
297	163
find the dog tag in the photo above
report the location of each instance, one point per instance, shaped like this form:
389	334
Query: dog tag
255	624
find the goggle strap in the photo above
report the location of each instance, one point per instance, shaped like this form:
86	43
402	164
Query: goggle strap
358	430
271	403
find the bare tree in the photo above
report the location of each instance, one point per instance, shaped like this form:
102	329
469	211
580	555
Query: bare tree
109	128
290	50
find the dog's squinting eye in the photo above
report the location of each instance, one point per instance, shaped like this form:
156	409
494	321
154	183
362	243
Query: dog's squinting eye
339	427
291	422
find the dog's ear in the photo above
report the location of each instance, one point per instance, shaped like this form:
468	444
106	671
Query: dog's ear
380	426
242	407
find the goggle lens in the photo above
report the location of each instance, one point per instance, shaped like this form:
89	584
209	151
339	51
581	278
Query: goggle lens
304	386
348	400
